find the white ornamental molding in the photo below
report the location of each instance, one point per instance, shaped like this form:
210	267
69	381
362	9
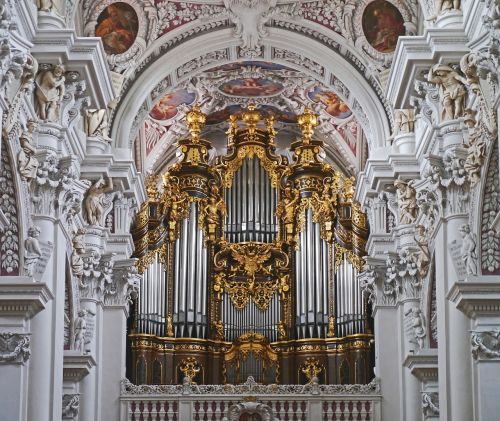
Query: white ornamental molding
251	387
485	345
14	347
490	238
9	241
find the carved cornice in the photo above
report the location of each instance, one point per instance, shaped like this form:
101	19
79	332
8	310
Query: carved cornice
423	365
77	366
476	298
20	296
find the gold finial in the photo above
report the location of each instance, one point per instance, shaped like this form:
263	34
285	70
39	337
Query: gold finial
195	120
251	117
307	122
331	327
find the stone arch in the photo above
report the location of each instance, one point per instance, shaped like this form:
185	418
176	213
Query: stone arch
352	79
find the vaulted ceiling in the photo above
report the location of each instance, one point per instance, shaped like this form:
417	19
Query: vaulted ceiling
330	55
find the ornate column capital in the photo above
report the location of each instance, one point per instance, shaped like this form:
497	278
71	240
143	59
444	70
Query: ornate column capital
14	347
124	284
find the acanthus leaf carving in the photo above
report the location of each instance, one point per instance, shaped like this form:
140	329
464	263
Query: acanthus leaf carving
14	347
485	344
124	285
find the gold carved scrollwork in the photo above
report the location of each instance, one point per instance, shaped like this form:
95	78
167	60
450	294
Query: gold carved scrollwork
175	204
190	368
311	369
250	270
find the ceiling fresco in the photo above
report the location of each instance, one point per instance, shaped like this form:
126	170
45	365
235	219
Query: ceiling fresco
383	25
117	25
168	105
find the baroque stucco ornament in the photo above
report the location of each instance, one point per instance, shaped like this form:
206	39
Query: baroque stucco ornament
14	347
486	344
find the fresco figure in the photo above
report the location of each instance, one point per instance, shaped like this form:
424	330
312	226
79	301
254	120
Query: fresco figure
117	26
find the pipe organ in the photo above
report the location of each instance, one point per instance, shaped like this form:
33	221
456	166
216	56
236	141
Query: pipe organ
250	264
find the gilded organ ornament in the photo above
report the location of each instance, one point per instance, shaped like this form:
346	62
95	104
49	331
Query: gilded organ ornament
311	369
190	368
198	199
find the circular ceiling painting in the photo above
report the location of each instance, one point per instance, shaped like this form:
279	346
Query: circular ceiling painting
333	104
117	25
383	25
166	107
251	87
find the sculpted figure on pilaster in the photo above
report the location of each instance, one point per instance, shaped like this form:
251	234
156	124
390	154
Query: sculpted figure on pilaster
468	250
46	5
80	328
404	121
430	403
416	323
485	344
27	164
32	250
423	257
78	251
14	347
407	201
95	202
96	123
451	90
49	93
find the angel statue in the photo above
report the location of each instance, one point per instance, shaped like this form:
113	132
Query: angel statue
214	208
94	202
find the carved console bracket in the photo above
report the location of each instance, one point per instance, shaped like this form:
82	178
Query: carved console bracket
476	299
76	366
21	297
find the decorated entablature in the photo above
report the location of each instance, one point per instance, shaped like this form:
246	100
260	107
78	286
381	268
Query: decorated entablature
249	225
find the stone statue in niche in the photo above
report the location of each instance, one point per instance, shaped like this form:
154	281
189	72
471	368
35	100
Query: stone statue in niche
77	263
404	121
80	327
97	124
407	201
94	202
49	93
443	6
468	250
451	90
32	250
27	163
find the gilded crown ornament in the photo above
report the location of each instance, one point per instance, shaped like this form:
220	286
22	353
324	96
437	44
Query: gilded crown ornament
307	122
195	121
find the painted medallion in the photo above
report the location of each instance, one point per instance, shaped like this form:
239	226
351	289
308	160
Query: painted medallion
117	25
167	107
333	104
251	87
383	25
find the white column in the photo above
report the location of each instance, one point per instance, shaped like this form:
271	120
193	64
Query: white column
47	340
113	359
455	376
